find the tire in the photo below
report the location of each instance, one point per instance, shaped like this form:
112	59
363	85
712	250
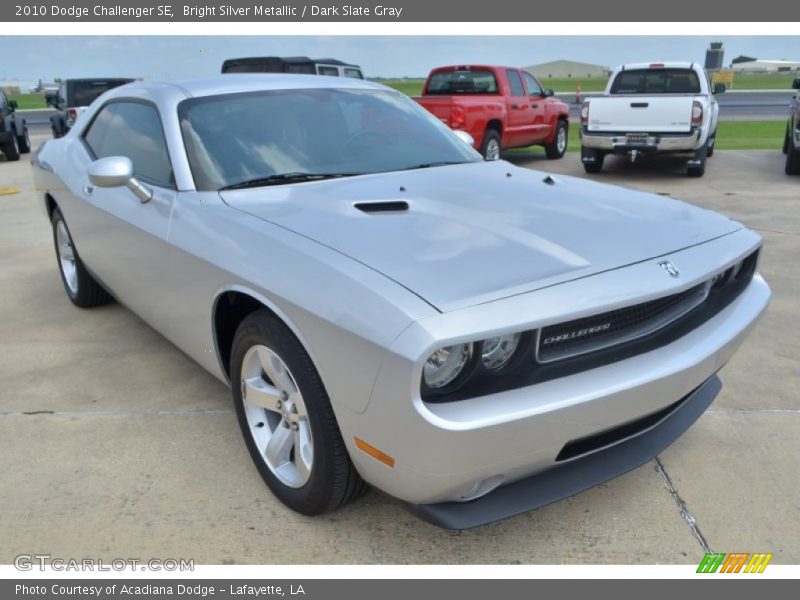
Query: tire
24	142
54	129
11	149
710	143
700	155
787	139
558	147
82	289
595	165
303	417
792	160
491	145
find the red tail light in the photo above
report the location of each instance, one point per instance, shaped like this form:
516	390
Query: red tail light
656	65
585	113
697	113
72	113
458	117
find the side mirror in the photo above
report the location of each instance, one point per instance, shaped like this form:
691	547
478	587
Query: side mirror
464	137
548	92
117	171
796	84
719	88
12	104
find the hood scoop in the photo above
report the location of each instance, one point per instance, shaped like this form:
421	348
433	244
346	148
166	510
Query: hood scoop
382	207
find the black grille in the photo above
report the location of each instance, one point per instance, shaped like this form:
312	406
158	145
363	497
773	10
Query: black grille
615	327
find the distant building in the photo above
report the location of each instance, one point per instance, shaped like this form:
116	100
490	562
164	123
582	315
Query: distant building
567	69
767	66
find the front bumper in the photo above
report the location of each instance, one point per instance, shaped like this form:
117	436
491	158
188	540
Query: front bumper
451	452
655	142
574	476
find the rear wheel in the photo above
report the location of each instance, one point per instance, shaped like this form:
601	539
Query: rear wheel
712	140
592	160
787	140
11	149
24	142
81	287
792	159
491	146
697	166
287	420
558	146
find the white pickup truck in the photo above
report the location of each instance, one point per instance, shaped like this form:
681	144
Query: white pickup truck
666	107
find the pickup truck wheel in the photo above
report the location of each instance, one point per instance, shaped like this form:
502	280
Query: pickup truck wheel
712	140
787	140
80	286
491	146
792	160
11	149
592	160
558	146
287	420
24	142
697	167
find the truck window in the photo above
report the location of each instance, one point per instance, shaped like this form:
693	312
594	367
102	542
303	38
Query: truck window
462	82
325	70
656	81
353	73
515	83
534	89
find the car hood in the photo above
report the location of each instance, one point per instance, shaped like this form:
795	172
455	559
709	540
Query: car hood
482	231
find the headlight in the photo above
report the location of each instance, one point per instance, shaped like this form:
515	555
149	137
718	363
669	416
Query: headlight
497	351
444	365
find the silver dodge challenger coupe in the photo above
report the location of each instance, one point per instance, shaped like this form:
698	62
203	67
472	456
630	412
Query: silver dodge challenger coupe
473	338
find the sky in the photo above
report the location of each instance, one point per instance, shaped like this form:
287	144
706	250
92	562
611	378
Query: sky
182	57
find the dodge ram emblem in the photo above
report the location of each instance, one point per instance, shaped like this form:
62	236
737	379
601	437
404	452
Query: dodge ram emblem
669	268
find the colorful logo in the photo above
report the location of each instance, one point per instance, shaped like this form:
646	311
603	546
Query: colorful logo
735	562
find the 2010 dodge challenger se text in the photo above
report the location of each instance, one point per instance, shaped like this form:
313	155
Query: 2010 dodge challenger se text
473	338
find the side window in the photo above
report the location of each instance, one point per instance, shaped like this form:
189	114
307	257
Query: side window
330	71
534	89
134	130
515	83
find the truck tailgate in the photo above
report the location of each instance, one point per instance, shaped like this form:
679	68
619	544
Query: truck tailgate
440	106
651	114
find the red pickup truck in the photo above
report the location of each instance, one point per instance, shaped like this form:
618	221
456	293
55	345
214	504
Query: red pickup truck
500	107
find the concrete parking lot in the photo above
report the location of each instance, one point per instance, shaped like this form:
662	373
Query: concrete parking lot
115	444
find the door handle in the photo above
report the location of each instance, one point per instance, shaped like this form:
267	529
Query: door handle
87	190
515	106
534	106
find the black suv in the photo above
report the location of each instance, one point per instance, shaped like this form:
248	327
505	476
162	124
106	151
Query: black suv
791	145
72	98
14	138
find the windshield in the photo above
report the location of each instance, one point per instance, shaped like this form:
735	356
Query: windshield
236	138
462	82
656	81
86	92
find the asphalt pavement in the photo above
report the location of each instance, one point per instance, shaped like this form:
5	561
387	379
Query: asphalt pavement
115	444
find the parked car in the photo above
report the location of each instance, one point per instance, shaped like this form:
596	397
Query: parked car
14	138
647	108
292	64
500	107
791	144
72	99
474	338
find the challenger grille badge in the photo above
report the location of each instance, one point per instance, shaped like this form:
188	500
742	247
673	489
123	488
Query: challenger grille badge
669	268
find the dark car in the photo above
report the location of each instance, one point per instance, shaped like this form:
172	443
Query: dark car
791	145
14	138
292	64
72	98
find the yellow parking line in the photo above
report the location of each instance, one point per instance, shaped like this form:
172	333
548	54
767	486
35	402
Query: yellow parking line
8	191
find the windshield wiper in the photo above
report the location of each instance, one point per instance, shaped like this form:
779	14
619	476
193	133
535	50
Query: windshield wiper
442	163
282	178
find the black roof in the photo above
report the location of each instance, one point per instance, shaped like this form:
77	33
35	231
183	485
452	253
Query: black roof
289	59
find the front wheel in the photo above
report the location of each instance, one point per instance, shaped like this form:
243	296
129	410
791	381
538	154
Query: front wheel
491	146
558	146
287	420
